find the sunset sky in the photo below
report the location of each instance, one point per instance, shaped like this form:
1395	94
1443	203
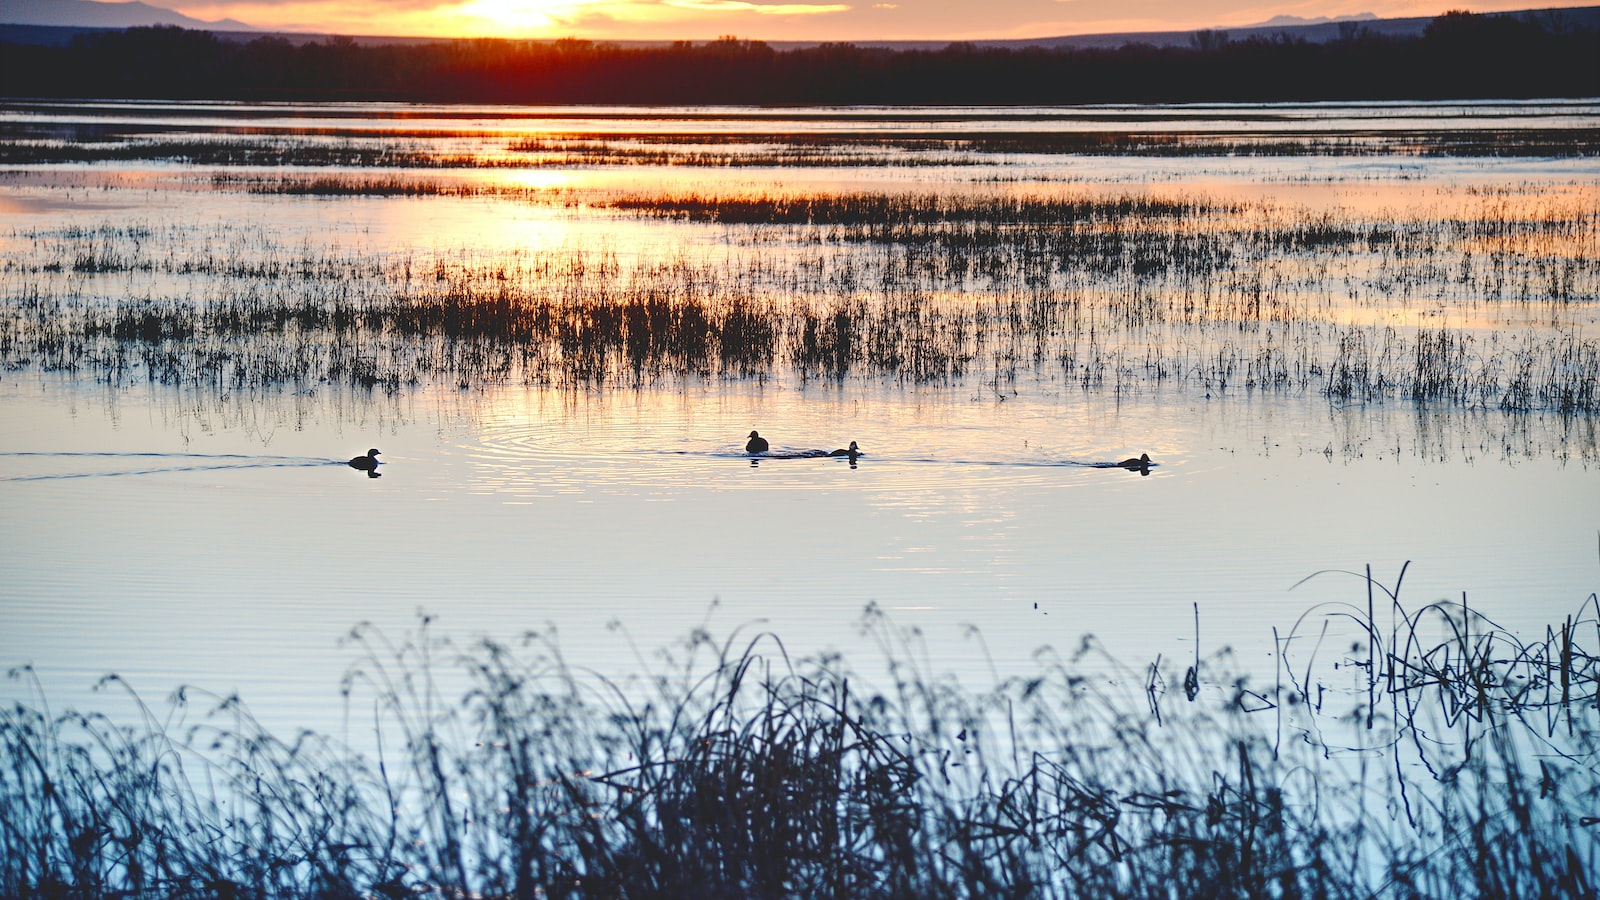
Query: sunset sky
795	19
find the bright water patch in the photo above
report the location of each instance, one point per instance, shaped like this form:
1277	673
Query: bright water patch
505	511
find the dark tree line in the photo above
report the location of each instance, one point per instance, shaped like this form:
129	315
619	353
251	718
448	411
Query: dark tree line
1460	55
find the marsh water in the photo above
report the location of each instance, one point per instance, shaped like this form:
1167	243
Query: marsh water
180	526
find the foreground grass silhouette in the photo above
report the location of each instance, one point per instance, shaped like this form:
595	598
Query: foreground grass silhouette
1394	766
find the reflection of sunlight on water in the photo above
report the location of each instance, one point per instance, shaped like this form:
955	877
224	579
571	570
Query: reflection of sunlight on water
544	179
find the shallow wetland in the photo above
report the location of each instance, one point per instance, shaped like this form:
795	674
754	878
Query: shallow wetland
1347	336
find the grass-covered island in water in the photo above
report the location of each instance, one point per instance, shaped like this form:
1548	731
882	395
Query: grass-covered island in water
1395	753
1111	293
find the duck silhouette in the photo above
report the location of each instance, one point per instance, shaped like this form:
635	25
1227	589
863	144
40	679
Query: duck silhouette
757	444
852	451
368	463
1142	462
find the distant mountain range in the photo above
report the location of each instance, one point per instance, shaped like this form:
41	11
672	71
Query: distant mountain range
1281	21
132	14
1314	31
93	14
55	22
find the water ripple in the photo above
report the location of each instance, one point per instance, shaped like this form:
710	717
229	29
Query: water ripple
161	463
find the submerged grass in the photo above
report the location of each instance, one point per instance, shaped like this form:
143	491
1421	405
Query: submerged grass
1419	762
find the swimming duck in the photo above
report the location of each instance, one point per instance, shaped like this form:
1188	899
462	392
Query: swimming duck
366	463
852	452
1143	462
757	444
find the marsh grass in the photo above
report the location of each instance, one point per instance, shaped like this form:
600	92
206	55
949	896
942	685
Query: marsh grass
1413	763
1481	304
440	148
262	151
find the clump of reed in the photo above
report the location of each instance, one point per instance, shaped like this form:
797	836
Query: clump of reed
261	150
1443	767
892	211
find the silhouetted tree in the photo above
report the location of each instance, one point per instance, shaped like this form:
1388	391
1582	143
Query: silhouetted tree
1459	55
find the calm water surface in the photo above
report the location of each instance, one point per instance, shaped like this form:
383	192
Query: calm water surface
177	536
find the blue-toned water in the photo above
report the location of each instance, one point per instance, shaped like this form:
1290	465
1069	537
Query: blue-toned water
218	538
